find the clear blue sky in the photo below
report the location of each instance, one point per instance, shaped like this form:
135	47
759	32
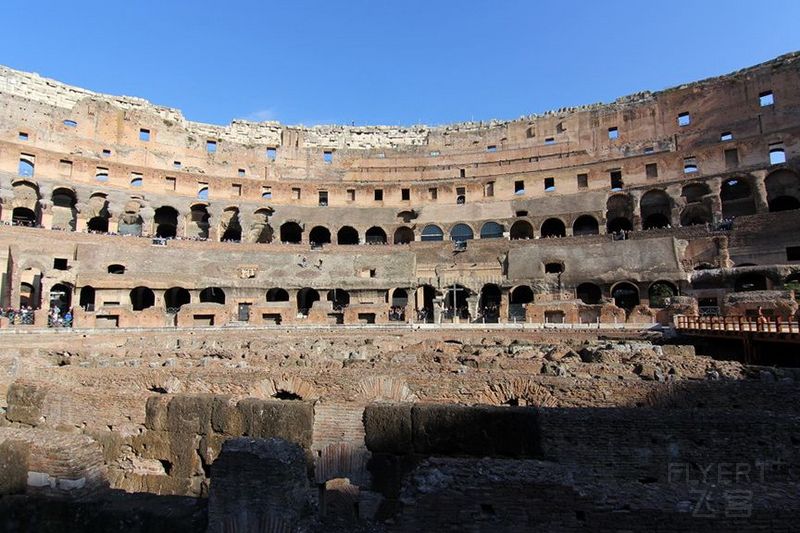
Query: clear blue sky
387	62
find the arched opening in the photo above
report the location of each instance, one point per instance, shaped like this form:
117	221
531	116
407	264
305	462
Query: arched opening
212	295
518	298
489	304
656	209
198	222
64	211
585	225
175	298
116	269
588	293
61	297
521	229
696	214
424	303
305	300
276	294
619	224
403	235
455	302
319	235
142	298
347	236
340	298
737	198
166	221
695	192
398	303
432	232
783	190
22	216
553	227
751	281
660	292
291	233
626	296
492	230
87	298
231	225
30	291
619	213
261	231
130	223
375	235
97	225
461	233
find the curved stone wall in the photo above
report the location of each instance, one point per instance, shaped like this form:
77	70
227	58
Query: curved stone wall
584	208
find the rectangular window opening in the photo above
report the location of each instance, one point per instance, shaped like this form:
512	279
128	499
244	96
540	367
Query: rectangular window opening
295	193
327	157
211	147
323	198
23	136
766	99
59	263
519	187
266	193
651	170
378	195
684	119
405	194
170	183
550	140
549	184
433	193
236	189
616	180
731	158
583	181
488	189
491	148
777	155
351	195
144	134
726	136
241	172
793	253
613	133
272	153
176	164
65	167
689	165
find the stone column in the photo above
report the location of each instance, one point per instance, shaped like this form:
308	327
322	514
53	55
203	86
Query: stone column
472	306
716	201
760	192
678	203
636	198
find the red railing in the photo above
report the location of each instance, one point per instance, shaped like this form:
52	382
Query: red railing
738	323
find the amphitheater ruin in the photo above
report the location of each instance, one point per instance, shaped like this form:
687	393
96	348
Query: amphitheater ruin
581	320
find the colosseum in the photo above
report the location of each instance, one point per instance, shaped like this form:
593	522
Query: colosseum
580	320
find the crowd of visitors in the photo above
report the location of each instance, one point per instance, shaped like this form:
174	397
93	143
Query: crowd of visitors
22	316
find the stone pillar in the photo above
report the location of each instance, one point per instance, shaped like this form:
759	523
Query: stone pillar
504	297
678	203
760	192
716	201
472	306
636	198
438	307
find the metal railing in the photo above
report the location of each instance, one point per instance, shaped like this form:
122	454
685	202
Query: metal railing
759	324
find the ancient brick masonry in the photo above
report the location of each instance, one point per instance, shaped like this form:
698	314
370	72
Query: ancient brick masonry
384	328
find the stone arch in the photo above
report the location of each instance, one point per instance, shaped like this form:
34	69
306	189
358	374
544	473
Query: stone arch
61	296
656	209
520	392
64	208
319	235
694	193
212	295
347	235
130	222
175	298
432	232
291	232
619	213
625	295
142	298
305	300
285	387
276	294
339	298
492	230
199	218
585	225
403	235
736	196
385	389
375	235
30	287
260	230
696	214
461	232
489	303
521	229
553	227
230	225
166	222
589	293
659	292
783	190
86	299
